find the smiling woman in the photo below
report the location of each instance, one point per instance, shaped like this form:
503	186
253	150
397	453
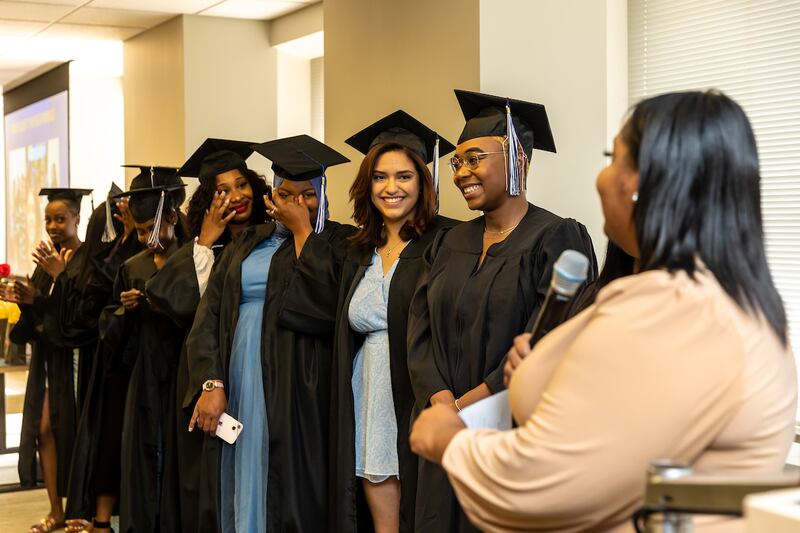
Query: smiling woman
486	279
394	202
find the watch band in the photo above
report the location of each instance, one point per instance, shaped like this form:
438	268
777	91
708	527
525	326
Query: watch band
212	384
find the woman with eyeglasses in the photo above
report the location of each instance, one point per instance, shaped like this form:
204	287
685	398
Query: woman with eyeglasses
687	359
487	278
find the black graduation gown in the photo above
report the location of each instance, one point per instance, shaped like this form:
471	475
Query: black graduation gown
464	318
149	493
296	351
64	331
95	461
51	366
347	505
175	292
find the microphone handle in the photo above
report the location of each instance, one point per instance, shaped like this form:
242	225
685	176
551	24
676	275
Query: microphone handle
552	314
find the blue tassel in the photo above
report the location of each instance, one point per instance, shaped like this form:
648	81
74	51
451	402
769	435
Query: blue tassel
436	171
514	182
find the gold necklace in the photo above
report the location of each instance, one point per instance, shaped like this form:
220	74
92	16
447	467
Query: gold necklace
487	230
390	250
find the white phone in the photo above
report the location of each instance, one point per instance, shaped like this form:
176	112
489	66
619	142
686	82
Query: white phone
228	428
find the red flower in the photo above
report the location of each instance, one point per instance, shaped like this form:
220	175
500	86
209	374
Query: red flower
5	270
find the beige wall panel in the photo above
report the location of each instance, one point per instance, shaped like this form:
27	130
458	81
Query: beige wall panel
381	55
154	96
296	24
229	76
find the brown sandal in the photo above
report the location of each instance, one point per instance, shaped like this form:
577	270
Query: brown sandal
76	525
46	525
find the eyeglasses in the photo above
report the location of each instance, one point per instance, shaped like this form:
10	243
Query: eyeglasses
472	160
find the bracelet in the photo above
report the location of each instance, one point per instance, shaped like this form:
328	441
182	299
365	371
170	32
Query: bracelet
457	406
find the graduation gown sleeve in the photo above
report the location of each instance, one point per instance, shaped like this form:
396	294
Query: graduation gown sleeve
427	375
175	290
310	300
202	344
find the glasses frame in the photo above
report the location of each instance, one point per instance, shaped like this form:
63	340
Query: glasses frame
462	161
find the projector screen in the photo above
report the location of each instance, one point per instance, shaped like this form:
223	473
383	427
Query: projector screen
37	156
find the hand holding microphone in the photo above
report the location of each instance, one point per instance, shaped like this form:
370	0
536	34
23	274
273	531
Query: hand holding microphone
569	273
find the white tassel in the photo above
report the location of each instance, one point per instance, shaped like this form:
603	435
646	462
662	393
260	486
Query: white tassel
109	233
514	182
323	205
153	241
436	171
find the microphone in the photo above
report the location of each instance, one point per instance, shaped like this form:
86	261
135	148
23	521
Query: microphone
569	273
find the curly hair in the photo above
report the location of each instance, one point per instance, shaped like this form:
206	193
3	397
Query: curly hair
202	197
370	222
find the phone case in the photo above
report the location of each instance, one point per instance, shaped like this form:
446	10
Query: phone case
228	428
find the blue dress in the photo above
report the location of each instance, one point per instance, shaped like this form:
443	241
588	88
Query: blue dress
376	424
243	472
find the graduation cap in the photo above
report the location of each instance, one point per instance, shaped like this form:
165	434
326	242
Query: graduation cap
302	158
110	233
216	156
148	192
71	196
64	193
403	129
524	124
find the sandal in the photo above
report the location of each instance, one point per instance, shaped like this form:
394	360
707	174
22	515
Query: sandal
76	525
46	524
96	524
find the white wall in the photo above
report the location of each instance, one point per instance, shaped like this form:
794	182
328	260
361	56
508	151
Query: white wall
577	67
97	135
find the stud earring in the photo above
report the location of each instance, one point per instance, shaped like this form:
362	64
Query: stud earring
635	197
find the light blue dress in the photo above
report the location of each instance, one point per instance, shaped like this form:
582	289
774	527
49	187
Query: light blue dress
376	424
243	472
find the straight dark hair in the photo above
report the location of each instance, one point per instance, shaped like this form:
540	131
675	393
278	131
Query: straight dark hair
699	196
371	232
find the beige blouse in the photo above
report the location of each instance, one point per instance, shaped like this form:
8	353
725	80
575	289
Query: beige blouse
661	366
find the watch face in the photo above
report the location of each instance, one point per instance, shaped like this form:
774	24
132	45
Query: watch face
208	385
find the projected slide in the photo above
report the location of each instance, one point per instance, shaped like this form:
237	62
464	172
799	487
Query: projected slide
37	151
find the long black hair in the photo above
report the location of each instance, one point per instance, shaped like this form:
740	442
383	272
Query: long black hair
202	197
95	247
699	195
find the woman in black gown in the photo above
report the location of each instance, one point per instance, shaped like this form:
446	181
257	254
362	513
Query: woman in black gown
144	358
49	414
229	199
110	240
284	302
394	204
486	278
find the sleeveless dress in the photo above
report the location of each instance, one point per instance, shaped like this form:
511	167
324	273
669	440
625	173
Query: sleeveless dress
376	424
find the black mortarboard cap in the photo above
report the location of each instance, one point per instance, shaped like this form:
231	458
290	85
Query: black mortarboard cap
148	192
302	158
154	176
216	156
299	158
64	193
110	232
486	117
401	128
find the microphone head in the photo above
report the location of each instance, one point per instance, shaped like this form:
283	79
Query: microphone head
569	272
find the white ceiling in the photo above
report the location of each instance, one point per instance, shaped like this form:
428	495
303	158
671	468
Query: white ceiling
27	25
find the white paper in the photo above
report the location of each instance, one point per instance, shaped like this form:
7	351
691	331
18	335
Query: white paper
493	412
